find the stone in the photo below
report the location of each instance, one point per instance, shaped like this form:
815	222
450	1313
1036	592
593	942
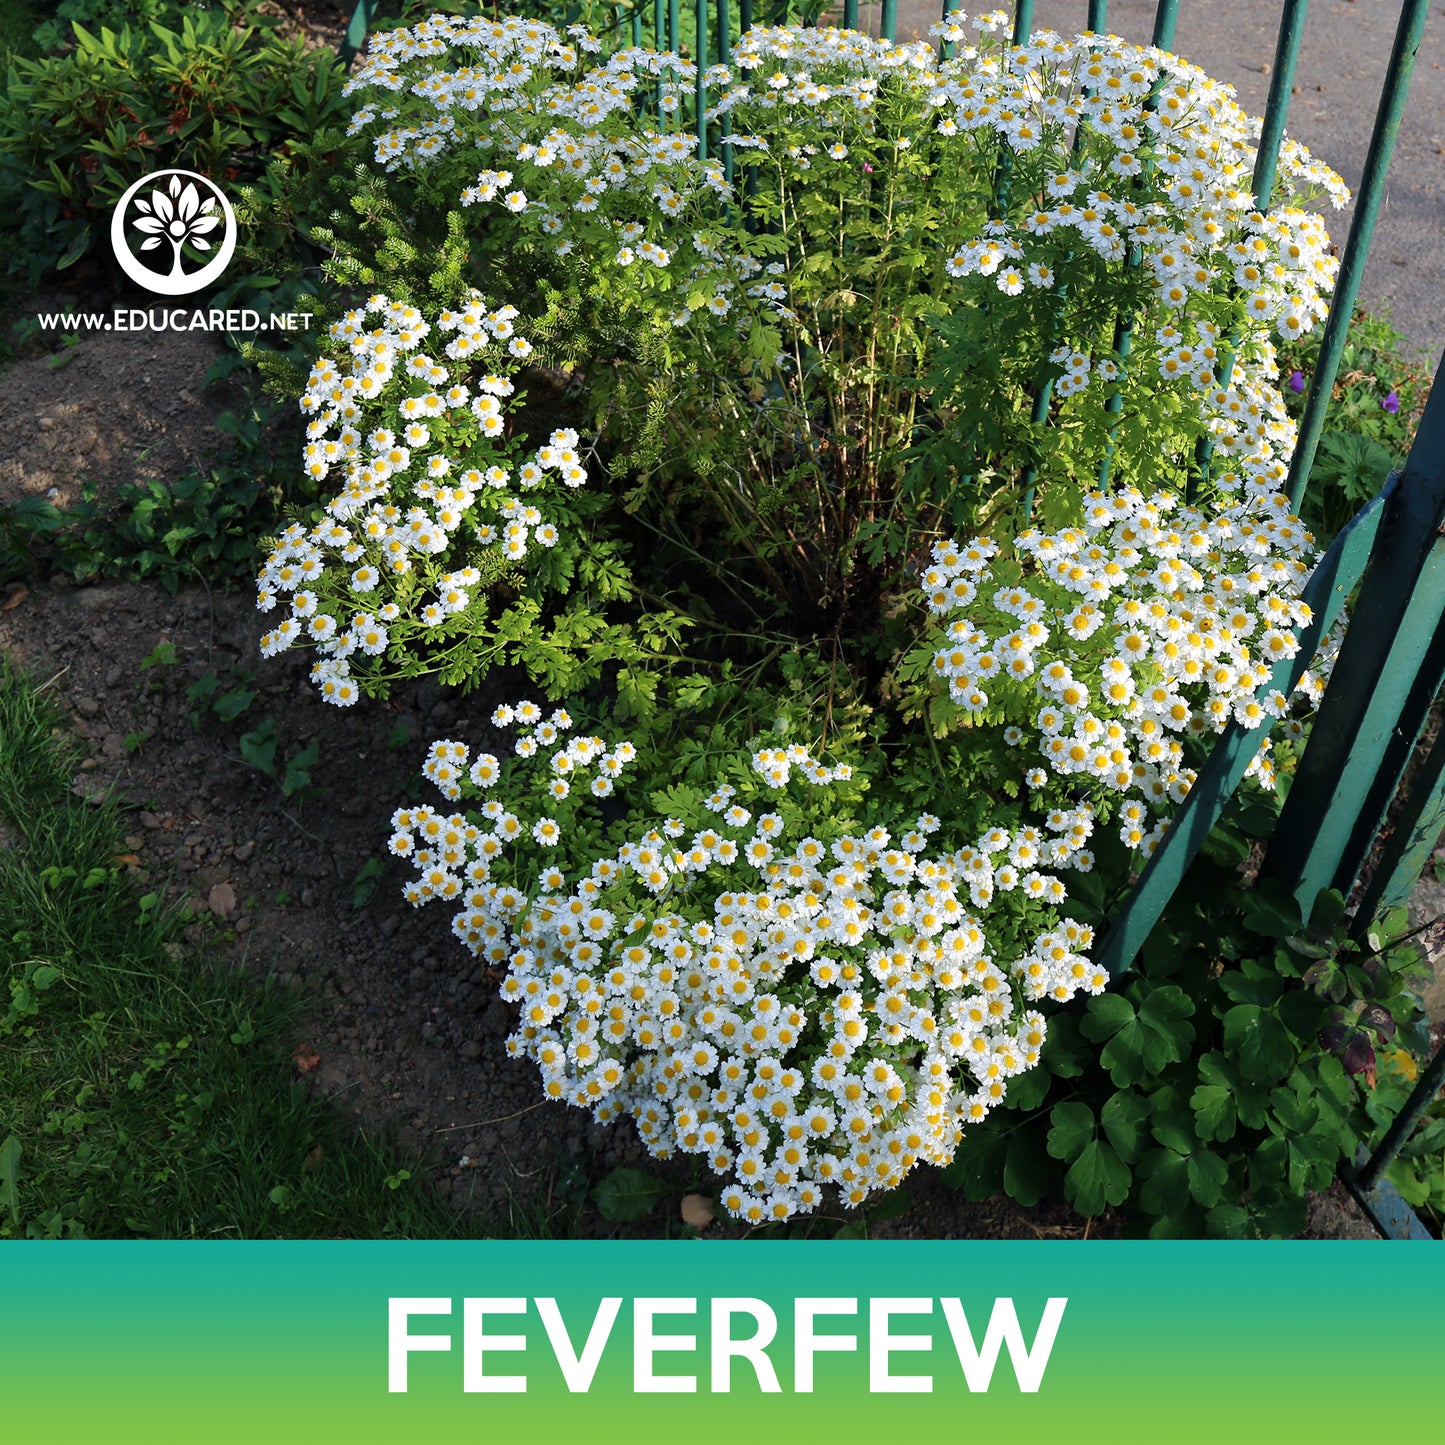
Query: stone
222	901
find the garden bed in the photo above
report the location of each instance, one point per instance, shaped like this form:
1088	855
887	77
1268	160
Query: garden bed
406	1034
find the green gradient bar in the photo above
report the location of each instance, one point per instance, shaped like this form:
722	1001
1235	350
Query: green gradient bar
1023	21
1362	227
1098	16
889	28
850	14
231	1344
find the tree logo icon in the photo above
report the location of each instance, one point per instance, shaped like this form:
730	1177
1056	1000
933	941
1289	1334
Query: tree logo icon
173	232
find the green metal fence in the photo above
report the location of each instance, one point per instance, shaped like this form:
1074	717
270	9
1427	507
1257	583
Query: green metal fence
1390	558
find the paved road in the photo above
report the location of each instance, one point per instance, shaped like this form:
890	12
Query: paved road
1342	65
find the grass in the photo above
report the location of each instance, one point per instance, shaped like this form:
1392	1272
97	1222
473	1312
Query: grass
18	19
143	1092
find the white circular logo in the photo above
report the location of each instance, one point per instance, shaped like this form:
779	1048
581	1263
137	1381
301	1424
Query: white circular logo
162	217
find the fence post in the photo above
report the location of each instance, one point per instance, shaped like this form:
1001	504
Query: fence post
1352	264
1387	674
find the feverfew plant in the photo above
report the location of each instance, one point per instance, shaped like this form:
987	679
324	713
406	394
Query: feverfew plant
437	504
758	979
1101	648
904	298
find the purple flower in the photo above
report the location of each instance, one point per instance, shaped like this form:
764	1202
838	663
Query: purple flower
867	168
1296	381
1391	402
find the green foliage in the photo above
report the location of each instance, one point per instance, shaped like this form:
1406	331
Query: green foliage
1375	407
76	129
1241	1064
206	523
626	1195
260	747
56	33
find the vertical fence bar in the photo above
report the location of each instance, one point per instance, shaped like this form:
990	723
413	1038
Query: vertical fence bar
1164	18
1098	15
725	55
1412	840
1266	167
356	29
1380	689
946	50
1420	1099
701	60
1352	265
888	28
850	14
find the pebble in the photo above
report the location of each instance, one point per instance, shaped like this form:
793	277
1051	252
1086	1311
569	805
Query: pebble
87	707
497	1020
149	820
222	900
243	853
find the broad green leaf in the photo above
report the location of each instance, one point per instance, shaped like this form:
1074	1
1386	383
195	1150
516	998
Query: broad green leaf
10	1152
978	1167
1228	1221
1072	1127
1270	909
1027	1171
1164	1181
1213	1111
1207	1176
1260	1042
1125	1119
1096	1178
629	1194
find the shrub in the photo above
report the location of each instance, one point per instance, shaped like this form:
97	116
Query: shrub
77	129
841	564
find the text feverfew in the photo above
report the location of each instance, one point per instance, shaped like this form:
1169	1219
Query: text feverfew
733	1339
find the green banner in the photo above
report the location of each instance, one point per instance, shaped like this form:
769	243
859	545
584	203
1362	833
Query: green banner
699	1342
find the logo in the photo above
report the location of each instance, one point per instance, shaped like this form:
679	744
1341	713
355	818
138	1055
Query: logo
171	218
